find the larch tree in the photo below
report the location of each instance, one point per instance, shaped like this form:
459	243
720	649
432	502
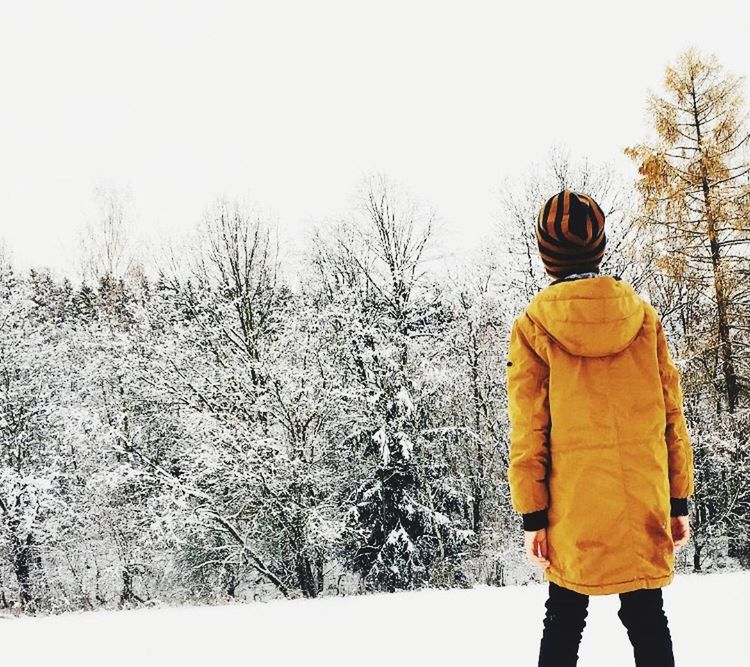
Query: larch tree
695	190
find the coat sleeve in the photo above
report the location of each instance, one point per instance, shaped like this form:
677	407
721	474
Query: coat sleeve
680	450
527	379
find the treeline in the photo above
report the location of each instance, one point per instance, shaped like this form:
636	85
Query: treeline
223	428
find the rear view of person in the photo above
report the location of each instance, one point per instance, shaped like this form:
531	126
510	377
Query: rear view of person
601	464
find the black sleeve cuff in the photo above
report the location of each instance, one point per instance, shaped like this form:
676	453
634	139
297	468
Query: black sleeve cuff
535	520
679	506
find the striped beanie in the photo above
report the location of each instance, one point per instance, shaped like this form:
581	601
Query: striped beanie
570	234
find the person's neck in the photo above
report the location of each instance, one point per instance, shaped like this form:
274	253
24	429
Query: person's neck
576	275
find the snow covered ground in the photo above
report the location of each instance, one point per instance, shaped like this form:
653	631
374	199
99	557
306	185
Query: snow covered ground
483	626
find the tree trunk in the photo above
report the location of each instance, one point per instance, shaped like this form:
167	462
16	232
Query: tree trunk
308	577
126	594
727	356
22	568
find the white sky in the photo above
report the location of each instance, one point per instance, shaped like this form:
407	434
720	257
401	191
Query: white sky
288	104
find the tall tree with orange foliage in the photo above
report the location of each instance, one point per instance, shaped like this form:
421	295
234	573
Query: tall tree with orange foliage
695	188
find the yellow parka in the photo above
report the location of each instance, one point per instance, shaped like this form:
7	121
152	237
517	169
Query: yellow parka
598	434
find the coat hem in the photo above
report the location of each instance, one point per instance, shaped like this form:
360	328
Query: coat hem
610	588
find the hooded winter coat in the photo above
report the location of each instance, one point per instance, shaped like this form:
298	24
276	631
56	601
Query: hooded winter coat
598	437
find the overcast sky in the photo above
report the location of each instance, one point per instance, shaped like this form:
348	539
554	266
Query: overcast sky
288	104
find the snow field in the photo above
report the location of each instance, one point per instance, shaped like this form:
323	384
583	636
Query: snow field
482	626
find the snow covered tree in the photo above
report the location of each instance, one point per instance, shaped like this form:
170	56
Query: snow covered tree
522	199
398	525
463	383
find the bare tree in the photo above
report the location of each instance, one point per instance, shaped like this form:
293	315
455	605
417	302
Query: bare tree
106	245
520	203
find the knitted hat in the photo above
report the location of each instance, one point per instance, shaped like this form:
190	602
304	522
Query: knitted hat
570	234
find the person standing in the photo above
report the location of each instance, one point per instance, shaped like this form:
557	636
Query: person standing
601	462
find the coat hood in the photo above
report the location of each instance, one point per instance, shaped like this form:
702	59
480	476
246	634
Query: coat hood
589	317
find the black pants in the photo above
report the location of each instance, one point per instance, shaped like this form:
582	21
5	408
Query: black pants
641	612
